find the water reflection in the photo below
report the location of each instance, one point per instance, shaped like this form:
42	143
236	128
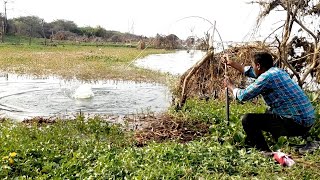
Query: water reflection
26	97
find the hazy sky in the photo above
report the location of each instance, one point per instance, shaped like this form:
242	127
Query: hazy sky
235	19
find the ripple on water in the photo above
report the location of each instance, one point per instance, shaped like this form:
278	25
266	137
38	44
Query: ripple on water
24	97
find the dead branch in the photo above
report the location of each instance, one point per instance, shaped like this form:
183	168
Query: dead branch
264	41
187	78
313	65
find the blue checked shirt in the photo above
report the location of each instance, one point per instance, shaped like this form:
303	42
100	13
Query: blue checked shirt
280	93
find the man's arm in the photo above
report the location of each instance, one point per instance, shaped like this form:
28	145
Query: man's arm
237	66
234	64
229	84
251	91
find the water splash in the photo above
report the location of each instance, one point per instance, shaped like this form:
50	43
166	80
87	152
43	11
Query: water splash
84	91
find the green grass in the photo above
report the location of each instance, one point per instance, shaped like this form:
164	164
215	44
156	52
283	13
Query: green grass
24	40
94	149
88	63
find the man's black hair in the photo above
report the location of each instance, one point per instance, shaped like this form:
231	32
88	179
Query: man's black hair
264	59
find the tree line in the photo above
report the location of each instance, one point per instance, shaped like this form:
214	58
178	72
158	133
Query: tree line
33	26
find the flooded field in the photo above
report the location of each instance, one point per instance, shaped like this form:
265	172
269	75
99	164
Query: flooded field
173	63
26	97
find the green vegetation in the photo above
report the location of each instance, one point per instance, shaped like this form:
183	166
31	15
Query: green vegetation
24	40
33	26
94	149
79	61
34	30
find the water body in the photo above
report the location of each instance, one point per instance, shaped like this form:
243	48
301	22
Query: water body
25	97
173	63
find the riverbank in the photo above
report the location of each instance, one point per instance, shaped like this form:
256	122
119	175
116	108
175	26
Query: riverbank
193	143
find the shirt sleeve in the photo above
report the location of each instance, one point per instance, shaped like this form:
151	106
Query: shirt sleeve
253	90
248	71
234	92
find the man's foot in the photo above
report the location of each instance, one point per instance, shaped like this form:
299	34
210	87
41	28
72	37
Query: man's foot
310	147
266	153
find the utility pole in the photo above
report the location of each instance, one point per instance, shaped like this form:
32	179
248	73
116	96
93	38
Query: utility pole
4	22
5	17
2	28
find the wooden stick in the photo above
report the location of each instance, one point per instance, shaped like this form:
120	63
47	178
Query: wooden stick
227	96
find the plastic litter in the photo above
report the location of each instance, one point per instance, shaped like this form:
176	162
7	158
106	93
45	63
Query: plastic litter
283	159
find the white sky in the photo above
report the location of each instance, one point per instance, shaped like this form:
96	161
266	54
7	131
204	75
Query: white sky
235	19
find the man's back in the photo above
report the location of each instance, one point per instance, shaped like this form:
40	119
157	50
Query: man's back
282	95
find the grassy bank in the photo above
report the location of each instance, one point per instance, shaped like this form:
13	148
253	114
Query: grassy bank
81	62
94	149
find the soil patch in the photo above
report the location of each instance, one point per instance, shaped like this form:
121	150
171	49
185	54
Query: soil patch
165	127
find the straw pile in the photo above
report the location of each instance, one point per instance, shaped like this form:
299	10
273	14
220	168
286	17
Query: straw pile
205	79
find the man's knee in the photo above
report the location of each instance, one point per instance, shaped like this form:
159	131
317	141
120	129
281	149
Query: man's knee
247	119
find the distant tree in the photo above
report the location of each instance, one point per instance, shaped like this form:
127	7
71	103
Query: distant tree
47	30
115	38
26	26
171	41
63	25
109	34
61	29
2	31
100	32
87	31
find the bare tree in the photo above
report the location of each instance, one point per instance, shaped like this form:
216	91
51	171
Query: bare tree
302	13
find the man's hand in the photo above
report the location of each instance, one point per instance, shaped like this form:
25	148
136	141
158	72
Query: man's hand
226	59
228	83
234	64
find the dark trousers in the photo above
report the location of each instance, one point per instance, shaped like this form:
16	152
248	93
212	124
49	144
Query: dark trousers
253	124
